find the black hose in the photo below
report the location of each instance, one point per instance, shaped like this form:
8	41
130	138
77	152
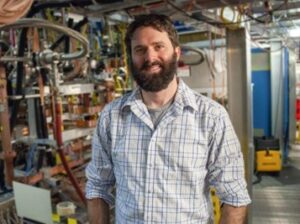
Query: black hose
62	37
38	118
2	176
19	82
67	38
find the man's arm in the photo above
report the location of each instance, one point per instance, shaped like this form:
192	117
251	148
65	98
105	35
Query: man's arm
98	211
233	215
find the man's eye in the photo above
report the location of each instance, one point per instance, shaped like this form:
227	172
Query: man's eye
139	50
159	47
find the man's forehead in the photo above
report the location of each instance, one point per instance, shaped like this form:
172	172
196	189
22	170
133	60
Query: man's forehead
149	34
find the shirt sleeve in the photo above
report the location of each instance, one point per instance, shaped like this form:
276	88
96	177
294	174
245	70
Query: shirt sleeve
226	163
99	172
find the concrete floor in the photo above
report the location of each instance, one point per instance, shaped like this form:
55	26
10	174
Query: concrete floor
276	199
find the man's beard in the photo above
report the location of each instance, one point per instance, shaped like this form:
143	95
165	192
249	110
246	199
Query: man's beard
154	82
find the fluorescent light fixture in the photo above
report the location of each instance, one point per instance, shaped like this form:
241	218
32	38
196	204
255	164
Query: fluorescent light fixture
295	32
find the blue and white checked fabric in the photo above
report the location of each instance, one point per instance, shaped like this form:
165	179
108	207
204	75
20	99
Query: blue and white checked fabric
163	175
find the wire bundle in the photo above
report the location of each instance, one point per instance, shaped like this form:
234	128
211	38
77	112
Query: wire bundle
12	10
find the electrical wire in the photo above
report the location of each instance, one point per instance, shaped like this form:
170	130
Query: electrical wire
215	23
248	36
257	19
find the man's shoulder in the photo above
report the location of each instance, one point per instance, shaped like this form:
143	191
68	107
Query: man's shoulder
208	105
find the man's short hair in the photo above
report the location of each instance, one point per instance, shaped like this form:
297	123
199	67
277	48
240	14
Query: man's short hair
156	21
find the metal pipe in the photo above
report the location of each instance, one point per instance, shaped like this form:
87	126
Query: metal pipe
33	22
59	138
7	153
36	7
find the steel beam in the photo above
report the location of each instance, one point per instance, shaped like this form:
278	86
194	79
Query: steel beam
294	69
240	96
276	57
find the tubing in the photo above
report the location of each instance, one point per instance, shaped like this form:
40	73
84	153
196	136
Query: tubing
61	38
59	140
22	44
7	152
33	22
196	50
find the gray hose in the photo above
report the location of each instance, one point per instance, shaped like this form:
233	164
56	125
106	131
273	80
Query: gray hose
196	50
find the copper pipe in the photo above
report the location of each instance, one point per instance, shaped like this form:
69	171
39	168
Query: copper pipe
60	146
7	154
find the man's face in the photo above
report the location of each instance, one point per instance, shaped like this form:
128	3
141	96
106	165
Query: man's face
154	59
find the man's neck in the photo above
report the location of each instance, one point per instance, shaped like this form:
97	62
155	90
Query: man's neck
158	99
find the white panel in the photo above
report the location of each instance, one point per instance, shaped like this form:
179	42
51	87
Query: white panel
33	203
72	134
72	89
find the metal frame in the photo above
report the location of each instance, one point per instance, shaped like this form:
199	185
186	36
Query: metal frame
240	97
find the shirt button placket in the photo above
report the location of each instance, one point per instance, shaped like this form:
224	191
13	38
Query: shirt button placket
149	183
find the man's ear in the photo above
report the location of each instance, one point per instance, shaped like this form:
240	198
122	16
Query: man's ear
178	52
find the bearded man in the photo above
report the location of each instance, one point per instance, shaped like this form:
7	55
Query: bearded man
163	146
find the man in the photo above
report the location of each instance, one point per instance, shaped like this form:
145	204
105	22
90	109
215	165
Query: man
163	145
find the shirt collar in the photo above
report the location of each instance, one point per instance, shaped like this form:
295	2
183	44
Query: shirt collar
185	97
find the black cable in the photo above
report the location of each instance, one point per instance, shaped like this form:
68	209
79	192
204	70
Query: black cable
19	81
76	27
67	38
38	118
2	176
270	13
200	17
255	18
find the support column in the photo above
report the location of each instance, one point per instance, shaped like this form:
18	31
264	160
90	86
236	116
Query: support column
294	74
240	97
277	88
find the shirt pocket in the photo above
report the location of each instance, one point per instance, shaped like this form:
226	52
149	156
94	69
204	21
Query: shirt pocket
187	160
188	156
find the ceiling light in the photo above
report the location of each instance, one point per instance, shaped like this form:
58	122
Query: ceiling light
294	32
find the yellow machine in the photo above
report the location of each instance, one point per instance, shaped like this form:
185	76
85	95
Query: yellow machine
268	160
268	155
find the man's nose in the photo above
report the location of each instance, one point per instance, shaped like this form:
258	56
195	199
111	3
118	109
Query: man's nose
150	55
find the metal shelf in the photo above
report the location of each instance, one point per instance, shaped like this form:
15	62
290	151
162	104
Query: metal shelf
73	89
72	134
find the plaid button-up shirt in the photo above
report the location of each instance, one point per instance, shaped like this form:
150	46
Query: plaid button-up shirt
163	175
